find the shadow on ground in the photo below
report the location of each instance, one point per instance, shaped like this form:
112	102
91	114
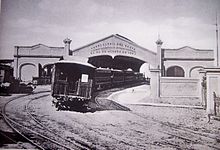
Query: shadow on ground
106	104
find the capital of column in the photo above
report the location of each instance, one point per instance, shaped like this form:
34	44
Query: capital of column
67	41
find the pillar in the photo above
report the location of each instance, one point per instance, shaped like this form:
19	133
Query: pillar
213	85
16	62
155	83
159	52
202	87
67	46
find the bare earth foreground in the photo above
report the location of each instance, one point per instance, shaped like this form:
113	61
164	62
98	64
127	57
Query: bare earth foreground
144	127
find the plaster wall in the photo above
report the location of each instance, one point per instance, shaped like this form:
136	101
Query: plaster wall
179	87
39	50
189	53
188	66
30	61
213	85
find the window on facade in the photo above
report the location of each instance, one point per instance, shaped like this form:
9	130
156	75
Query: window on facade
175	71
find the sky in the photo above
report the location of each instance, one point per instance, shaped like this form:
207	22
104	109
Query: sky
178	22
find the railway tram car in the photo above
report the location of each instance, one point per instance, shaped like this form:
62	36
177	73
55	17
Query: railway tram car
102	78
129	76
117	77
75	82
139	77
72	83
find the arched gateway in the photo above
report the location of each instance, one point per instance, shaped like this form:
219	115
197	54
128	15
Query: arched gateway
114	51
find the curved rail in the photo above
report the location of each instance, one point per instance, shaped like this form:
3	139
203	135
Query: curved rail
198	137
29	132
77	143
6	119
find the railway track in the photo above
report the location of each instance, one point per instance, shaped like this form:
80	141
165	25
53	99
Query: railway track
185	135
34	131
77	143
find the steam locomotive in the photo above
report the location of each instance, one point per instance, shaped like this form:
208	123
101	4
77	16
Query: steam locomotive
74	83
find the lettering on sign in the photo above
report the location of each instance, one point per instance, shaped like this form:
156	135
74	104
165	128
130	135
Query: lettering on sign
114	48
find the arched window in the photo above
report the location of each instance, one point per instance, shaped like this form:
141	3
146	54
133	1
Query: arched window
175	71
194	72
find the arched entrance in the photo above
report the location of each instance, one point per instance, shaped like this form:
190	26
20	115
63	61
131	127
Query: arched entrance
175	71
118	62
145	69
194	72
27	71
103	61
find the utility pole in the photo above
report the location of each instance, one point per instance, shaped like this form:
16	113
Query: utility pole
217	57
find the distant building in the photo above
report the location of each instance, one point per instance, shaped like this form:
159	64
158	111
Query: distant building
114	51
35	61
184	61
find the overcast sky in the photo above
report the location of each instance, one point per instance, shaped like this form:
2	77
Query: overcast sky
179	22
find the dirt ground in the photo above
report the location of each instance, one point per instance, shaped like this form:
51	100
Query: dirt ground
144	127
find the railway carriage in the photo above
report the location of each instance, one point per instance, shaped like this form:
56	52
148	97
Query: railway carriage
72	84
139	76
102	78
117	77
75	82
129	76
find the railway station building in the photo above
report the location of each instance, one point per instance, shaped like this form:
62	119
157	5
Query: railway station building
114	51
185	61
179	72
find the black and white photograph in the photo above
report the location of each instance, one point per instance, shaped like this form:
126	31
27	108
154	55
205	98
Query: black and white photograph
110	74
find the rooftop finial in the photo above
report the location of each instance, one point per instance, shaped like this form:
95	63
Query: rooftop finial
67	40
159	42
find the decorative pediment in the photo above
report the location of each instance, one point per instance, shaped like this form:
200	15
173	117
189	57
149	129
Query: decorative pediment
187	52
39	50
39	46
115	45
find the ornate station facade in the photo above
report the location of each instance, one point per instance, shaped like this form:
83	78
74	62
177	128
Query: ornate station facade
114	51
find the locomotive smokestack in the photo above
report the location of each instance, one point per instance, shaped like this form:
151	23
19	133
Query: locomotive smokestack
67	46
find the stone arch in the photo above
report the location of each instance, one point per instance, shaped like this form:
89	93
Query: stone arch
193	72
117	62
145	69
175	71
104	61
27	71
124	62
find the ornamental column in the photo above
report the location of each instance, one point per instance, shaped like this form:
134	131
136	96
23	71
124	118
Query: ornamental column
67	46
155	83
159	55
213	85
